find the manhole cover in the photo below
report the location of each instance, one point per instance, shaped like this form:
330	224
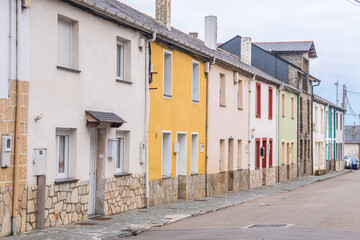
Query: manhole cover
268	226
86	224
101	219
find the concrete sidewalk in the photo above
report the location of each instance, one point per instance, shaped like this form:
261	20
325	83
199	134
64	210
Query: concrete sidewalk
135	222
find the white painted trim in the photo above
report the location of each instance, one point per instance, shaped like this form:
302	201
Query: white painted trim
177	160
162	149
192	78
172	65
198	151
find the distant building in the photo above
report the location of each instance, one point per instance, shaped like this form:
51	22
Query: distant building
352	141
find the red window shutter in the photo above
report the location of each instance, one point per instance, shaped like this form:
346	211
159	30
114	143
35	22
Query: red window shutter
258	100
270	102
257	153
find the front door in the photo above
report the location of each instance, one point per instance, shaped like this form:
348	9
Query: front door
264	163
92	172
181	158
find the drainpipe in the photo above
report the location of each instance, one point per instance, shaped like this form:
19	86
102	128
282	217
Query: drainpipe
249	127
10	39
312	132
147	115
15	211
298	136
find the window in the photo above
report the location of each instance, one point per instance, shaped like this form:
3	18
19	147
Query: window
120	61
337	121
270	152
301	116
166	154
239	155
195	81
257	153
194	152
292	108
322	119
308	116
341	122
240	94
67	43
264	145
305	83
168	61
222	91
222	155
120	153
258	100
62	154
270	102
305	67
315	118
283	105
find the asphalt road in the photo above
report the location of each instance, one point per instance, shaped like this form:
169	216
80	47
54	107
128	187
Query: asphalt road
324	210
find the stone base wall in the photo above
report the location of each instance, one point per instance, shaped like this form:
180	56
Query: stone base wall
283	173
218	183
330	165
256	178
340	165
241	180
191	186
163	191
293	171
125	193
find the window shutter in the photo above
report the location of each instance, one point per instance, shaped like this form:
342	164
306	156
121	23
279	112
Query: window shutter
64	42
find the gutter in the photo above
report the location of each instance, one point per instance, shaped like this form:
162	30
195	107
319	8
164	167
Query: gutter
147	115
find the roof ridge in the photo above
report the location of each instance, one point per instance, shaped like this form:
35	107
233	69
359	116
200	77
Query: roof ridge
134	9
287	41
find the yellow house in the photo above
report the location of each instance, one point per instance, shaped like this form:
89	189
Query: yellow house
177	125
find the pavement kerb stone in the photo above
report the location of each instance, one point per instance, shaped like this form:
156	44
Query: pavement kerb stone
138	221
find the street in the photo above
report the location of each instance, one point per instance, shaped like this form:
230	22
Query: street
323	210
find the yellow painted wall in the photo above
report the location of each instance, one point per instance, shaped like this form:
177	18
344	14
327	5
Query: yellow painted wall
175	114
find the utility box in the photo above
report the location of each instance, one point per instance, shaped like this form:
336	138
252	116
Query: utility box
142	152
5	151
39	162
176	147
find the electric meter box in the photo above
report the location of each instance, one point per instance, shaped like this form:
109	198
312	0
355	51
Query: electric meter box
39	162
6	144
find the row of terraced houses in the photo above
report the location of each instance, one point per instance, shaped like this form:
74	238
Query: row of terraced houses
104	110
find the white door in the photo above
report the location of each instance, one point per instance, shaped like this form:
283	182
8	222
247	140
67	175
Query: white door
92	173
182	155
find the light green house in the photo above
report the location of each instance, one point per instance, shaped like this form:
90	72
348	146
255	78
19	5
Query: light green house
288	134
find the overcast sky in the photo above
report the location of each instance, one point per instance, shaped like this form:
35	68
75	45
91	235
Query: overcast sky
332	24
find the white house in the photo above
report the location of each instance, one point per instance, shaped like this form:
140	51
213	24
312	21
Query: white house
319	121
88	110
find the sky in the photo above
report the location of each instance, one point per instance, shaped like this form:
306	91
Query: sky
332	24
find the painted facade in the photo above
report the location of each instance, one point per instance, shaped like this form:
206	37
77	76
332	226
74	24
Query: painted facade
340	135
14	102
93	160
319	136
352	141
263	132
228	133
177	117
330	139
287	127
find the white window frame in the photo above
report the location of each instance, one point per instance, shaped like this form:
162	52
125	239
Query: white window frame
66	134
120	136
165	94
64	19
194	166
166	174
120	76
195	95
240	95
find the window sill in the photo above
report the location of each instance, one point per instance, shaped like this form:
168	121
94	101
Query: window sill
195	101
68	69
118	175
240	109
166	177
65	180
221	105
123	81
194	174
167	96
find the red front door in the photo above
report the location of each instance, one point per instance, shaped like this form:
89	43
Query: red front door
264	157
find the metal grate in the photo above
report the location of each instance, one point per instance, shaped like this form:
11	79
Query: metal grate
262	226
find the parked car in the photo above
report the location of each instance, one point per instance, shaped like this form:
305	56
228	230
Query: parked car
347	161
355	163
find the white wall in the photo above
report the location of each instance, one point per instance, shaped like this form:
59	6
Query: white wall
8	45
319	134
264	128
62	96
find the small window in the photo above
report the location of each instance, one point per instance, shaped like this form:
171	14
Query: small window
239	155
283	105
292	108
195	81
67	43
222	155
166	154
315	118
270	102
62	154
258	100
240	94
322	119
341	122
222	90
120	61
337	121
168	61
120	154
194	152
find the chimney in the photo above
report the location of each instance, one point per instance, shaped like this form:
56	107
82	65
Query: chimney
163	13
211	32
194	34
246	50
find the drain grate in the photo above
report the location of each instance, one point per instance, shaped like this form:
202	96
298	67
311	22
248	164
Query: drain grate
262	226
86	224
101	219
